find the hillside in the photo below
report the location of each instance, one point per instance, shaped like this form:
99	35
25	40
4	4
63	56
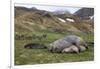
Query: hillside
33	19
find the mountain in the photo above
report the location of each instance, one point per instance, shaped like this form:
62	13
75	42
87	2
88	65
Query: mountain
61	12
35	20
85	13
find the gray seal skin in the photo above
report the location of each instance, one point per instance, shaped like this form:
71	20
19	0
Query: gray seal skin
75	40
58	45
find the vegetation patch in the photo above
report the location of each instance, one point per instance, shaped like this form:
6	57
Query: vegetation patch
41	56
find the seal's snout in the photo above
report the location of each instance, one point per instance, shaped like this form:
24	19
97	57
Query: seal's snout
87	47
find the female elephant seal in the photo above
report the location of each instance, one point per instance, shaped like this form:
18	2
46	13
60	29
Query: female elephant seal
73	48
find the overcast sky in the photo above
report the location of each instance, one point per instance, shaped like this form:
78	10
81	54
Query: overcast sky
50	8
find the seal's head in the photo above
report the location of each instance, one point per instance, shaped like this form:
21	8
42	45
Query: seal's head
82	48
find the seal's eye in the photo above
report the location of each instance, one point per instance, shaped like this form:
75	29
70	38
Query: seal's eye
74	44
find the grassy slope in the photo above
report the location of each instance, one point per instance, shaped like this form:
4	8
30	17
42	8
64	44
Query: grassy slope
40	56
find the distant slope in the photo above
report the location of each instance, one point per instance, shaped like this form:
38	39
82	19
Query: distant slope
32	19
85	13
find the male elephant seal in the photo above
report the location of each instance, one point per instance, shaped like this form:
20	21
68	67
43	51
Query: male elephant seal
76	40
59	45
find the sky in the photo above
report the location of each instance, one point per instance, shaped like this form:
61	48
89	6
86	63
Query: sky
50	7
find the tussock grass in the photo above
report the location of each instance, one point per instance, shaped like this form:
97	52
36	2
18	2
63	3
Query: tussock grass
41	56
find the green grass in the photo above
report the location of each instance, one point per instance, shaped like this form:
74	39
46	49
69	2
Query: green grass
41	56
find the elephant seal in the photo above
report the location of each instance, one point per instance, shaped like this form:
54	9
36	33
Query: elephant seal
58	45
76	40
73	48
